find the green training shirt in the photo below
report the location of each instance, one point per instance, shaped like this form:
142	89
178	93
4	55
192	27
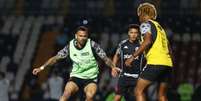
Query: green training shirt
84	62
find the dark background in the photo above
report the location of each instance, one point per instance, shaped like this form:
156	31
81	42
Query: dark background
31	31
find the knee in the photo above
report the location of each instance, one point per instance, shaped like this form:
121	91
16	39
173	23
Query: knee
161	94
66	94
90	95
138	92
162	97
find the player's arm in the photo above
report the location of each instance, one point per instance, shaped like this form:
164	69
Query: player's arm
61	55
101	53
145	44
116	57
145	29
116	61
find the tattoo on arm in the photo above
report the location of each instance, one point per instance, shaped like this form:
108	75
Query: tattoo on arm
52	61
109	62
101	53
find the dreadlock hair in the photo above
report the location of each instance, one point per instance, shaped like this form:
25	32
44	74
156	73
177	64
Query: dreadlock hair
147	9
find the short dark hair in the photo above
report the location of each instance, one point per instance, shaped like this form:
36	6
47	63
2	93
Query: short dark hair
82	28
135	26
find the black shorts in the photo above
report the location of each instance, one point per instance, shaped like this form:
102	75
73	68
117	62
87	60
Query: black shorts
124	90
125	87
127	91
81	83
157	73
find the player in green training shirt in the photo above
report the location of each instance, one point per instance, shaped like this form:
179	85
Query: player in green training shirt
82	51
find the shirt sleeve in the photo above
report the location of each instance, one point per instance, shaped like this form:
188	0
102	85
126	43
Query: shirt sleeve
120	46
118	49
98	50
63	53
145	28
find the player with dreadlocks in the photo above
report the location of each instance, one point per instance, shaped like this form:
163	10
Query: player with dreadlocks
157	51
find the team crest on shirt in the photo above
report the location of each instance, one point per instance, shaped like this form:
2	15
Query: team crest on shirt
84	53
136	48
144	28
125	47
126	56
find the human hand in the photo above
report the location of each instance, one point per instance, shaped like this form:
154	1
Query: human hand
115	71
37	70
129	61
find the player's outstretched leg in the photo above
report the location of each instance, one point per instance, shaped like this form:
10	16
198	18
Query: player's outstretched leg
90	91
162	92
70	89
139	90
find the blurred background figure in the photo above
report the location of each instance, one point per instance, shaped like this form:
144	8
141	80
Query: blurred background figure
4	85
185	91
55	86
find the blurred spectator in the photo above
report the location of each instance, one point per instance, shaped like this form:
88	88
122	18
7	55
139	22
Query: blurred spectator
185	91
4	85
55	83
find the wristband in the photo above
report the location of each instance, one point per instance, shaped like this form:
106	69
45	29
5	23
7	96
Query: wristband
42	67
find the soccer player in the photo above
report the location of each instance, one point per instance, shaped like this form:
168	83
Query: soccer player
157	52
128	75
82	51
